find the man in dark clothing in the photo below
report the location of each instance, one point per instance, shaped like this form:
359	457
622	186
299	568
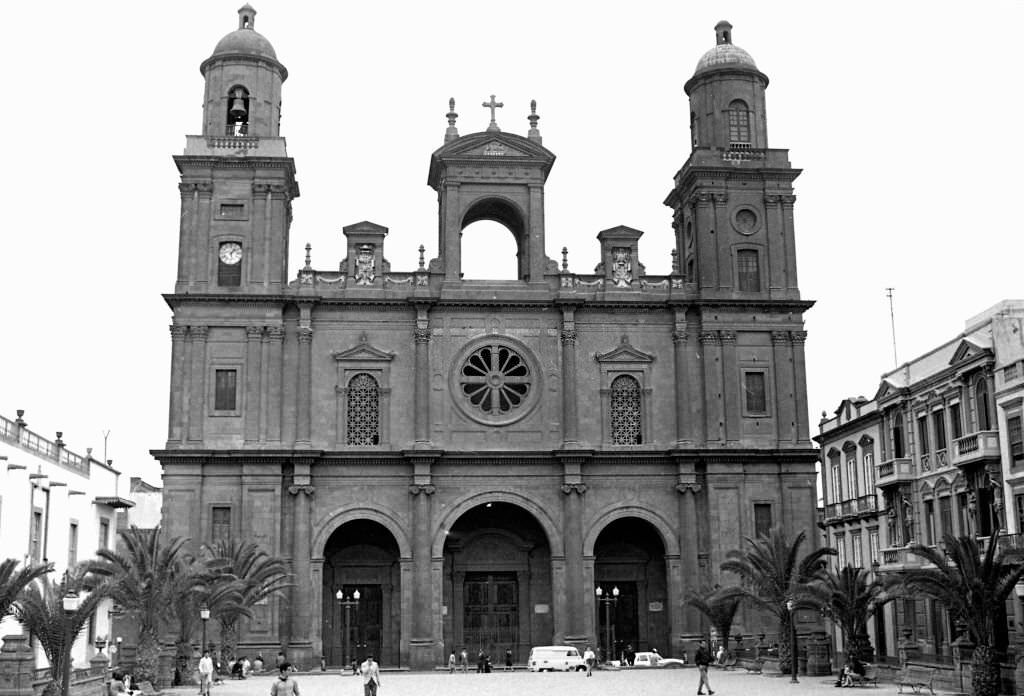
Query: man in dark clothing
702	659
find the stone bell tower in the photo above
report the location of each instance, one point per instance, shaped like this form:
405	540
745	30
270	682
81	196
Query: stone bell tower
491	176
237	181
733	198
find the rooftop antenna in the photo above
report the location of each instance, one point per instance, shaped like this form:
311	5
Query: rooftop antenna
106	434
892	321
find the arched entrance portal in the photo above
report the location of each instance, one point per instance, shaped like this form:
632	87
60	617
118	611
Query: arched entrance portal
497	583
361	555
629	554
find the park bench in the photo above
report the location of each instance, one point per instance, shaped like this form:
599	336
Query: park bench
870	676
917	678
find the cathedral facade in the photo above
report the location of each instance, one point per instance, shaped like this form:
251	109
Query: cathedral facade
477	458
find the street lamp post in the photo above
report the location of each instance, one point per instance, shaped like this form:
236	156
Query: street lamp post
71	602
204	614
348	604
608	602
791	605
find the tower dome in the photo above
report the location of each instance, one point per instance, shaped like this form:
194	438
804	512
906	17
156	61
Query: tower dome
725	53
245	40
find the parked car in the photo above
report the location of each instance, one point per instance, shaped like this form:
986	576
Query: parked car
563	658
653	659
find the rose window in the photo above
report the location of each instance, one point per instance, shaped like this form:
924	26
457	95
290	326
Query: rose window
495	379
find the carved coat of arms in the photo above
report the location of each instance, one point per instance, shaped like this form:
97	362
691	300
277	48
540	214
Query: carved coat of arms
365	274
622	268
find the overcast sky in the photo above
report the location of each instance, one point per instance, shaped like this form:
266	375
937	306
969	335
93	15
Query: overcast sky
904	116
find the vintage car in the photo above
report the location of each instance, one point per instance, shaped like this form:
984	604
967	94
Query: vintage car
653	659
561	658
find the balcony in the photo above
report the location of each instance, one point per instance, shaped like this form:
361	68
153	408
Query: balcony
976	447
867	504
894	471
899	558
833	512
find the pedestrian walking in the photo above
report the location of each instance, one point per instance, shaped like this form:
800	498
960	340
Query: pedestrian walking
702	659
371	676
464	661
589	658
284	685
451	663
205	673
508	659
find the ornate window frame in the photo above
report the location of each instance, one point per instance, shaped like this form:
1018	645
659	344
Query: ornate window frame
624	359
363	358
226	363
529	403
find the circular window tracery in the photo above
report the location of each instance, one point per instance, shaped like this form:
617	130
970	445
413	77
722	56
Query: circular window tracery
495	379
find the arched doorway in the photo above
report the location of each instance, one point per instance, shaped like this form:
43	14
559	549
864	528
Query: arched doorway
497	582
629	555
361	555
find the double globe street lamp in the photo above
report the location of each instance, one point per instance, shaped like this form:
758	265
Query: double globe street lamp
204	614
348	604
71	602
608	602
791	606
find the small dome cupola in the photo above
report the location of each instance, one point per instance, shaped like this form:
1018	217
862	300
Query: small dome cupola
725	54
245	40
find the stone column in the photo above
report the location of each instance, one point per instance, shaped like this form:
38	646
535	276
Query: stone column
689	542
197	407
707	247
723	253
422	385
303	426
175	409
302	591
782	362
186	233
572	511
787	222
275	368
570	423
422	643
278	219
253	338
205	270
684	393
730	387
712	386
774	229
803	433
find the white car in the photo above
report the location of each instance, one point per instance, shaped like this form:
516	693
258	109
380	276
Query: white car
563	658
653	659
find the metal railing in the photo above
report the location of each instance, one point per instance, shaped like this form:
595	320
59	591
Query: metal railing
11	432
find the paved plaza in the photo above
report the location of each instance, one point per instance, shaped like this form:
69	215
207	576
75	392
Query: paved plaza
617	683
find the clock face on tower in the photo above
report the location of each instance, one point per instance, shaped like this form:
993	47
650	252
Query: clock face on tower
230	253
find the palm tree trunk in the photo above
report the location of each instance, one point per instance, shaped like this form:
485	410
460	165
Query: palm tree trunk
985	671
785	647
148	657
228	640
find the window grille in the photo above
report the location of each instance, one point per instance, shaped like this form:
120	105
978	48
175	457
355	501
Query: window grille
626	411
220	524
225	390
748	270
755	392
739	122
495	379
363	412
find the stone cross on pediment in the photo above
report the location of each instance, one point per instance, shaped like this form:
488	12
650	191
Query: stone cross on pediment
492	105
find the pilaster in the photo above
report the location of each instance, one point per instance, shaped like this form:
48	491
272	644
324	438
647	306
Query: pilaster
175	408
421	336
275	367
782	358
684	415
803	433
302	491
731	388
788	202
303	426
712	350
253	367
197	407
203	259
573	491
186	233
570	421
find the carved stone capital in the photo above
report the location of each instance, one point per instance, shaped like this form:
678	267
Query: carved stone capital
305	334
307	490
254	333
788	201
205	189
720	199
275	333
421	335
709	338
416	489
198	333
798	336
186	189
689	487
772	199
679	337
577	488
260	188
278	189
702	198
568	337
727	336
178	333
780	337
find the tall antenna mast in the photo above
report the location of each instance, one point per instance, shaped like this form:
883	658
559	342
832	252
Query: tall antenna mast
892	321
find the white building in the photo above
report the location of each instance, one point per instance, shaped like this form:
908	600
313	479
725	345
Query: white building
58	506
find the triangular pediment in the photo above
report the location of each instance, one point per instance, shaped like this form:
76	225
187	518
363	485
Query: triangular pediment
494	144
363	352
625	353
494	148
966	349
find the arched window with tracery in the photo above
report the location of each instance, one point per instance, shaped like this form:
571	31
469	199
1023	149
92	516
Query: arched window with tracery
625	411
739	122
363	411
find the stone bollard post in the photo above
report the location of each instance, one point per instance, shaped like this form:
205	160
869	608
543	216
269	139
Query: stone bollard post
17	666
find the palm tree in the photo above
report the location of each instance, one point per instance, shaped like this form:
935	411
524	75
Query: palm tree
719	608
848	597
13	580
772	572
40	608
255	576
143	582
974	588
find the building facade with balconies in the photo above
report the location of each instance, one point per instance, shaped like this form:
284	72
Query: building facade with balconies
949	458
56	506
